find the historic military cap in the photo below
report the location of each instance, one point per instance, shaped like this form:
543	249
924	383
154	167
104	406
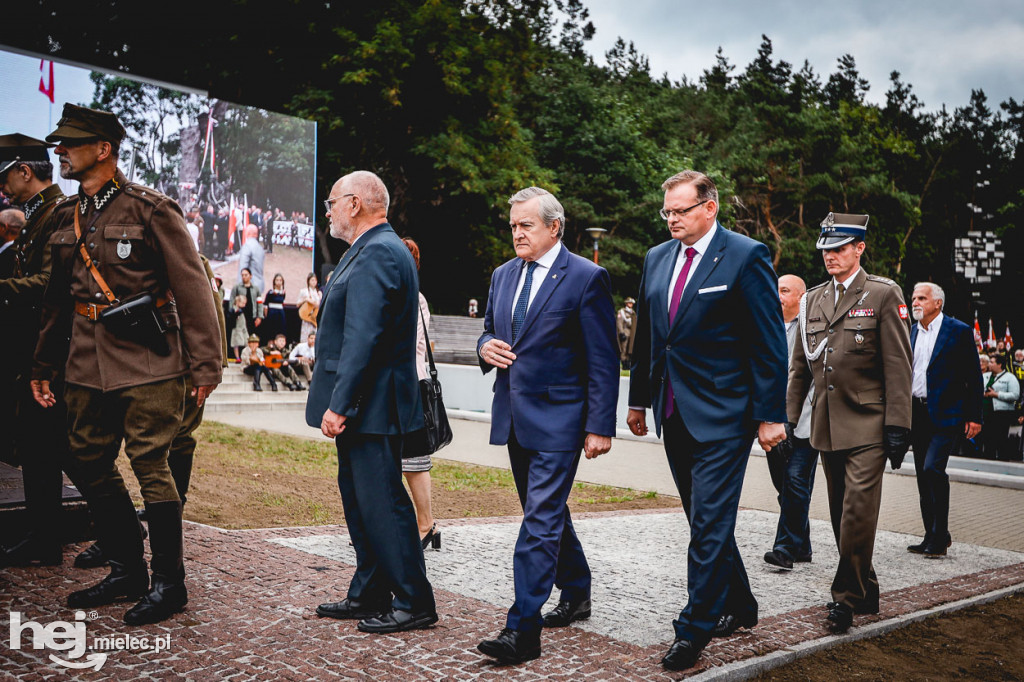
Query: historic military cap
253	338
630	299
18	148
82	123
842	228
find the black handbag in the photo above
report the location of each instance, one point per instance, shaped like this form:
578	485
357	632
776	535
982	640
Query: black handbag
437	432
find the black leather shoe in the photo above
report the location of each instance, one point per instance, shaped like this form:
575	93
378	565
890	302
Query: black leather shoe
681	655
512	646
397	620
840	618
566	612
348	609
934	550
803	558
167	598
120	584
779	559
729	623
91	557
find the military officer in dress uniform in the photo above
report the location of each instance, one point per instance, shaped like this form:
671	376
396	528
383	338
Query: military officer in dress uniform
128	356
855	349
39	436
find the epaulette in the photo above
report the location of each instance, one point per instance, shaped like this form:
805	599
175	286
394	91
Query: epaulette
818	286
881	280
143	193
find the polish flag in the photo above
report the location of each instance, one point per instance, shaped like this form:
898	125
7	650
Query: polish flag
1007	338
46	84
977	331
991	343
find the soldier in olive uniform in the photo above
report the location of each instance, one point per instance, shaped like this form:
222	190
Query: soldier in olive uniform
125	382
855	350
39	436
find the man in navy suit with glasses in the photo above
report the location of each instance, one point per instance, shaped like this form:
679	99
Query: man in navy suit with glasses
710	360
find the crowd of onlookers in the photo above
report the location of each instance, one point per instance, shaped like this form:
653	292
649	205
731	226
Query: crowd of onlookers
1002	374
218	233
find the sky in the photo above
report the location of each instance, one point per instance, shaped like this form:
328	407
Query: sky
942	48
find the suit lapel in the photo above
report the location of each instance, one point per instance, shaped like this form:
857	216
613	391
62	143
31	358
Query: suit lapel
708	262
504	290
945	336
827	303
554	277
661	272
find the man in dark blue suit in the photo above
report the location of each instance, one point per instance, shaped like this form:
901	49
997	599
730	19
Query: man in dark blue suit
550	330
710	360
365	395
947	407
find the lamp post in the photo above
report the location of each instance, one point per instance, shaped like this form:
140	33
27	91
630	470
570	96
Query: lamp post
597	234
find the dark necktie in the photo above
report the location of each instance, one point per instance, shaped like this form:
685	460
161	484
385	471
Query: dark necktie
840	289
677	295
523	302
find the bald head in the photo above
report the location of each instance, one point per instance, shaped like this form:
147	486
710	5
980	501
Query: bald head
791	288
358	201
11	222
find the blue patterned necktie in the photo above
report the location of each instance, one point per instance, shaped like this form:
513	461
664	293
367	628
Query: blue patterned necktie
519	314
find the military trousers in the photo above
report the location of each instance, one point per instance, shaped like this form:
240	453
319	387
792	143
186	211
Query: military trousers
145	418
183	447
854	483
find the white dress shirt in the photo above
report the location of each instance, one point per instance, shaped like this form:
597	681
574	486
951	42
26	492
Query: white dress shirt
701	248
846	284
540	273
923	347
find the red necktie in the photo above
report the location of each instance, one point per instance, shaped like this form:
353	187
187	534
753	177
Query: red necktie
677	295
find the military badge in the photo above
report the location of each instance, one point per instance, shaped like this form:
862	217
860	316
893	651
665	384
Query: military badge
124	249
903	312
859	338
861	312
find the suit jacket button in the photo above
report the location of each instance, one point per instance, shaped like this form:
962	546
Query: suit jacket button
831	387
831	331
829	369
669	347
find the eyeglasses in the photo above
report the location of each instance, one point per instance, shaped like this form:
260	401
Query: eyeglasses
668	213
329	202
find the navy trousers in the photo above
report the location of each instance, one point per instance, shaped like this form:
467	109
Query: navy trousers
709	477
382	524
794	481
932	447
547	553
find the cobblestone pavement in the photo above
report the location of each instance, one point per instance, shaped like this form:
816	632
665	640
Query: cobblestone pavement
252	596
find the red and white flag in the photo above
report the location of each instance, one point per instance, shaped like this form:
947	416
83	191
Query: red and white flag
1007	338
991	343
977	331
46	82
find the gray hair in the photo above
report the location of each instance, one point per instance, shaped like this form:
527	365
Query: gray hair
370	189
937	293
983	356
550	208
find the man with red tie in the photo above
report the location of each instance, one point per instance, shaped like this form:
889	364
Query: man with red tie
710	360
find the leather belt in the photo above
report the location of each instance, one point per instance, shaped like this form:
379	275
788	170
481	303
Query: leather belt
92	311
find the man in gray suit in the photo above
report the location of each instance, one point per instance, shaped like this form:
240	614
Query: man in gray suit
793	478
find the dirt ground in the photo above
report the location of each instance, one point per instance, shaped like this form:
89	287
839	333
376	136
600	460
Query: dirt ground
255	480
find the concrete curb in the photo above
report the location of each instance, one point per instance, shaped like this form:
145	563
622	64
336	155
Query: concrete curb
744	670
961	469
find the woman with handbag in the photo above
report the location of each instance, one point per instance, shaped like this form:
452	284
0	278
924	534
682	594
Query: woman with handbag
417	469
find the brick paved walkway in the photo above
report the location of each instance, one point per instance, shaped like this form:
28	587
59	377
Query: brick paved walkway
253	594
